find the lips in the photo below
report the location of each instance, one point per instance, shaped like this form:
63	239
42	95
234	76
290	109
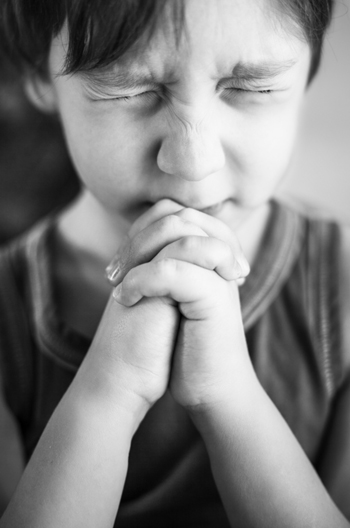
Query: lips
214	209
208	209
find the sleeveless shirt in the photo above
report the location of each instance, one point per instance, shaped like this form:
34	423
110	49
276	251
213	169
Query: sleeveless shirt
290	313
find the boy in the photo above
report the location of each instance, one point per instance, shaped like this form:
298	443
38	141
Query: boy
180	119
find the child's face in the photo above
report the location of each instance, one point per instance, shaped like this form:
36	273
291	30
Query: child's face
198	134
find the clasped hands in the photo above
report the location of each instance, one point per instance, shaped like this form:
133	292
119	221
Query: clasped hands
177	320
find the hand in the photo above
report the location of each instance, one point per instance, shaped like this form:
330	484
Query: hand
130	356
131	352
197	267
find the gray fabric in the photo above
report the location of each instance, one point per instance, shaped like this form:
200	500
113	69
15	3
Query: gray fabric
290	313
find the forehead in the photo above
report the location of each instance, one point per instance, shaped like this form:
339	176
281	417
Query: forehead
214	35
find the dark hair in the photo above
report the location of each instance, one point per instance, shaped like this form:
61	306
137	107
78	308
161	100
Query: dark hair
101	31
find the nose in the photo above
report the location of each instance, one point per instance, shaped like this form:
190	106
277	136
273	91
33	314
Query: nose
191	149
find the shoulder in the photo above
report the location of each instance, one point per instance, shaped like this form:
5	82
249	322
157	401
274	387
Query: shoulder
24	250
344	282
326	251
20	294
339	254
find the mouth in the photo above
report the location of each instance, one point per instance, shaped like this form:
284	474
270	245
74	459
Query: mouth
209	209
215	208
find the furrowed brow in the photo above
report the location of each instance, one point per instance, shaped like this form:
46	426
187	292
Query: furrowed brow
122	79
127	79
261	72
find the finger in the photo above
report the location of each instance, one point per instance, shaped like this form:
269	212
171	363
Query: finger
160	209
181	281
212	226
153	214
206	252
215	228
154	230
241	281
145	245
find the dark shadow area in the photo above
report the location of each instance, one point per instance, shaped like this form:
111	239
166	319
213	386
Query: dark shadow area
36	174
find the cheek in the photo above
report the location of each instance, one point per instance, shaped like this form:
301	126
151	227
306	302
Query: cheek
107	151
96	142
267	153
260	149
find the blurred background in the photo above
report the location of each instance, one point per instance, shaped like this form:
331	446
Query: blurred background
320	172
36	175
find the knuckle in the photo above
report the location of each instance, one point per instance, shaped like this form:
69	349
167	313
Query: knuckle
162	205
166	203
219	254
189	243
166	267
165	206
130	281
215	253
136	226
187	214
171	223
191	221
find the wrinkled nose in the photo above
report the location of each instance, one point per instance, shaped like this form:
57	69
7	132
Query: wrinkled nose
191	151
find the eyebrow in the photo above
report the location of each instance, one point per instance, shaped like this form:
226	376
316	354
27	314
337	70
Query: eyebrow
262	71
118	79
242	71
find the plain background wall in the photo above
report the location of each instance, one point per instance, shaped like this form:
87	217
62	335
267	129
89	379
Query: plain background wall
320	172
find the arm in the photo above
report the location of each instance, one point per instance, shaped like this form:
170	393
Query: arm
11	456
77	472
262	473
258	465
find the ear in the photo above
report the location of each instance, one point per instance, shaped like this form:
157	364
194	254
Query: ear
41	93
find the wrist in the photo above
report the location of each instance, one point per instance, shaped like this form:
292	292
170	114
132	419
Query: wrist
238	401
129	359
95	386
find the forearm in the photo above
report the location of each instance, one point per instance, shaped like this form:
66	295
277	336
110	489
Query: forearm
77	472
262	474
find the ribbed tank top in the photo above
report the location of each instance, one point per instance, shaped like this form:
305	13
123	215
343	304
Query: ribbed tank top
290	313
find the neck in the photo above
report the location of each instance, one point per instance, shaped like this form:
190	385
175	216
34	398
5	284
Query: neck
88	238
89	228
251	231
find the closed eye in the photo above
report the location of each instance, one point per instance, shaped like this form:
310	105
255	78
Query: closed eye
238	90
135	96
104	97
247	96
147	96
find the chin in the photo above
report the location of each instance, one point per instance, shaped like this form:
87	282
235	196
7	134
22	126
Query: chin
235	214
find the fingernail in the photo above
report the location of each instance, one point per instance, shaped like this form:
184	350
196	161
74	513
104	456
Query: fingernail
112	274
113	270
117	292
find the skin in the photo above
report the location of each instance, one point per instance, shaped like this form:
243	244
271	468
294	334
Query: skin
200	137
154	168
197	143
